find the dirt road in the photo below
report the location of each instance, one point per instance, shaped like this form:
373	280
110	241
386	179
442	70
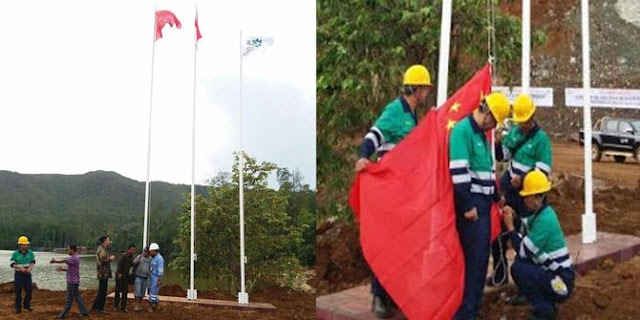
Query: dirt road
569	158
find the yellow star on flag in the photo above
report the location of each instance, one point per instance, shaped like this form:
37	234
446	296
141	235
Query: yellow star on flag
455	107
450	124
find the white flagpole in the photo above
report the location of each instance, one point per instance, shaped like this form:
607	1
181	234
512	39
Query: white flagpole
526	45
243	297
145	233
589	234
445	39
192	294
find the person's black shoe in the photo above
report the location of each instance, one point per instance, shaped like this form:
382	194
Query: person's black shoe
124	310
518	300
381	307
18	310
101	312
28	309
84	315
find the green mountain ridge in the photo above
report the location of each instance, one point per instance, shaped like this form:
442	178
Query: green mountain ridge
54	210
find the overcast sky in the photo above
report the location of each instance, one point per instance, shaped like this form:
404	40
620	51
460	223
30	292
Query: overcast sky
75	87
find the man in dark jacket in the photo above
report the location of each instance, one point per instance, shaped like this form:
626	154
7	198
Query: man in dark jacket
122	278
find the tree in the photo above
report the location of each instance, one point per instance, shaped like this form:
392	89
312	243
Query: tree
302	212
268	233
364	48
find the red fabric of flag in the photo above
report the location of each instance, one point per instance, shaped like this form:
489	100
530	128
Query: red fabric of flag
405	207
198	34
164	17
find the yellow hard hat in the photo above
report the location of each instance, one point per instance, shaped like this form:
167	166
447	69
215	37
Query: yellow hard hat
417	75
23	240
523	108
499	106
535	182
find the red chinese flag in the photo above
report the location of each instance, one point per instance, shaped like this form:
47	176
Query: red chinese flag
198	34
164	17
405	206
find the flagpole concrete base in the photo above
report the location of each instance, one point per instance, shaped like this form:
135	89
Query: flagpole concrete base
210	303
192	294
589	234
243	297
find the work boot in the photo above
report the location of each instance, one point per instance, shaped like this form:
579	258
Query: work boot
381	307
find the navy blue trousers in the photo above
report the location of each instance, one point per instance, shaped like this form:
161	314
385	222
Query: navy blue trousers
22	280
535	283
377	289
474	238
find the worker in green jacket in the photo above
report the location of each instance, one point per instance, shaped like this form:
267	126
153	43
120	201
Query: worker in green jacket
397	120
543	269
473	175
23	260
526	147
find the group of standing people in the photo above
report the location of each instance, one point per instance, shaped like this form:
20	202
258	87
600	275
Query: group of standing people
543	269
148	269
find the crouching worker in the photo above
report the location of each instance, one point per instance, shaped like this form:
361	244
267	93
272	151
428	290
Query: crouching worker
543	270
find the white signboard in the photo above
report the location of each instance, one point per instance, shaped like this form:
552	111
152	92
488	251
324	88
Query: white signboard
542	97
610	98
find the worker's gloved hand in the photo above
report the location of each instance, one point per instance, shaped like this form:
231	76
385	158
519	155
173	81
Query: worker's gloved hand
361	164
471	215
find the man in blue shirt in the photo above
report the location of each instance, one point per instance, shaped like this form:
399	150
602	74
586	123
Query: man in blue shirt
155	275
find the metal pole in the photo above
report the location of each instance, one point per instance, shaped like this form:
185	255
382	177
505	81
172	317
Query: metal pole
526	45
445	39
589	234
145	232
192	294
243	297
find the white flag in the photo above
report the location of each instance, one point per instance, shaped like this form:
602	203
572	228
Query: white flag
252	44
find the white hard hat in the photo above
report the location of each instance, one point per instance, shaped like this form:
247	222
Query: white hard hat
154	246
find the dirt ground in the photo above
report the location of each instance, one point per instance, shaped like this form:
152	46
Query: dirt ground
48	304
607	293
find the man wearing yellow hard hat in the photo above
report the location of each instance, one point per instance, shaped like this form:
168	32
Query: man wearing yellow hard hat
398	118
23	260
543	270
472	173
526	147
